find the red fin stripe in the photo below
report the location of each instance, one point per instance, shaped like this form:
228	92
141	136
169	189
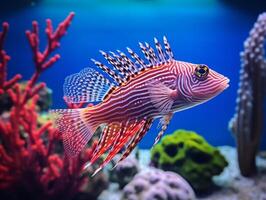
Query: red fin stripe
110	135
120	143
133	143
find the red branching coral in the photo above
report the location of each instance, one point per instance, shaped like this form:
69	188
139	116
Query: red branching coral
30	166
4	58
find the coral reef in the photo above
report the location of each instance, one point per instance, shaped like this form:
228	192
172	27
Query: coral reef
231	184
44	101
124	171
247	123
189	155
155	184
30	165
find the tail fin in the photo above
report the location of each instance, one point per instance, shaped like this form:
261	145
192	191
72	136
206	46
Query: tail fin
75	128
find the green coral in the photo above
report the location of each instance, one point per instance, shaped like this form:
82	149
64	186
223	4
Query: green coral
189	154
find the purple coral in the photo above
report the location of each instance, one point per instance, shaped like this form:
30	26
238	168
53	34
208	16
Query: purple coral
247	122
155	184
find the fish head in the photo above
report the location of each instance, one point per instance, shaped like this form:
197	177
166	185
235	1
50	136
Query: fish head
198	83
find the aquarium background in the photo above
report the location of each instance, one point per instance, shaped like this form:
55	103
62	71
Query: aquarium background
208	31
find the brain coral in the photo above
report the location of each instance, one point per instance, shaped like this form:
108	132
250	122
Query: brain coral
189	155
155	184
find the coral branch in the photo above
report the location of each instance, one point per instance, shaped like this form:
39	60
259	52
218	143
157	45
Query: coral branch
3	34
4	58
247	123
40	58
32	164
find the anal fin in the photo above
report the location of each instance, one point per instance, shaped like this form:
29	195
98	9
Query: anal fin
135	140
121	141
110	134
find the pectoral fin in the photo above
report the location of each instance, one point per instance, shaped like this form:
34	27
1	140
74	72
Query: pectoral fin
162	96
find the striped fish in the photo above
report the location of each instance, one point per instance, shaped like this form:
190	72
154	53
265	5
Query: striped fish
136	92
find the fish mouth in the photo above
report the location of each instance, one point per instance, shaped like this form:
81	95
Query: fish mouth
225	83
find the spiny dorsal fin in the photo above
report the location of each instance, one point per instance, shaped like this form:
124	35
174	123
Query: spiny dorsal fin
118	79
131	66
159	50
126	68
137	58
117	65
168	48
145	52
151	52
86	86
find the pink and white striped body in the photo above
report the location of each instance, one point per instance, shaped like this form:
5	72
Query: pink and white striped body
133	100
142	93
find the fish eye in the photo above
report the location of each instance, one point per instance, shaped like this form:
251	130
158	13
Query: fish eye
201	72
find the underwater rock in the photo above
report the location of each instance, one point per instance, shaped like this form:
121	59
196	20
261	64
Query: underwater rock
153	184
124	171
92	186
189	155
233	186
247	123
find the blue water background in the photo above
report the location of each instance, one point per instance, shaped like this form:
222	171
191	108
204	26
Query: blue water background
209	31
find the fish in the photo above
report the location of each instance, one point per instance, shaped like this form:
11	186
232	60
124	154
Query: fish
128	95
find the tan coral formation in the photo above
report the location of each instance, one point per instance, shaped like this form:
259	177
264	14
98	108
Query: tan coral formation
247	123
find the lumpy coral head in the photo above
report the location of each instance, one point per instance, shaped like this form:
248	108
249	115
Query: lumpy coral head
155	184
187	153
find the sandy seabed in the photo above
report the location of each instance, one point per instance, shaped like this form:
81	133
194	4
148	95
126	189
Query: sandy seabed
231	185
